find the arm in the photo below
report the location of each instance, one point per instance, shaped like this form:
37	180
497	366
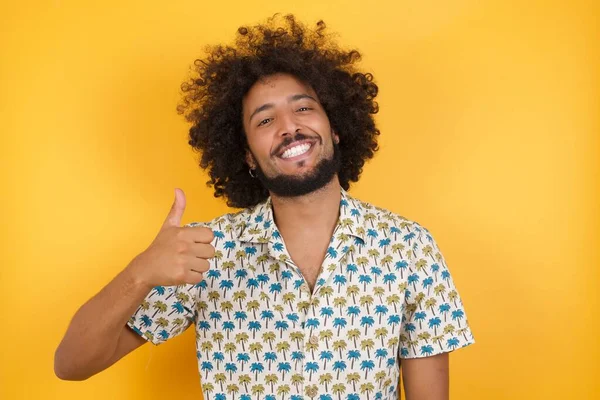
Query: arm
97	336
426	378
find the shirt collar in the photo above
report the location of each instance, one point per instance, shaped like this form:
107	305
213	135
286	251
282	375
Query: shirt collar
258	226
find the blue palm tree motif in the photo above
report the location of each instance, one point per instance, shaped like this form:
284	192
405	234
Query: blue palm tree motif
372	233
339	280
384	242
408	237
276	234
404	352
434	323
380	310
457	315
401	266
312	323
339	323
267	315
278	246
426	350
243	358
225	284
298	283
257	368
202	284
250	250
284	367
281	326
177	307
409	328
445	275
444	309
420	316
351	269
367	321
325	356
381	354
218	357
434	268
259	218
358	242
331	252
353	311
395	231
353	355
215	316
394	320
240	316
220	396
275	288
325	397
252	284
270	397
352	396
293	317
254	326
391	362
320	282
228	326
344	203
219	235
147	321
375	271
269	357
163	334
378	396
297	356
159	290
267	225
339	366
229	245
367	365
204	326
296	397
453	343
286	276
240	274
427	282
311	367
389	279
413	279
206	366
262	279
231	368
245	397
213	274
326	312
365	279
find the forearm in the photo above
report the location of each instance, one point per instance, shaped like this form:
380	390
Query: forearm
93	333
426	378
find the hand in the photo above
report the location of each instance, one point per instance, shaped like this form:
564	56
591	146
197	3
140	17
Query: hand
178	254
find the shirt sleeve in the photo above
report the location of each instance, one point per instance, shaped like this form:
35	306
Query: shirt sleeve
166	312
433	316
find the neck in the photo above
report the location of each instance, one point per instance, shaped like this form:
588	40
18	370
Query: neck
317	210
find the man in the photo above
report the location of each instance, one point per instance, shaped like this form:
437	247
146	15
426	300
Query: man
306	290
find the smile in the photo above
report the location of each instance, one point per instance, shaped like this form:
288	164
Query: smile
297	150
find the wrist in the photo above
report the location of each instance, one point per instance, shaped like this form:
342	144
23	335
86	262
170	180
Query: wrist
135	270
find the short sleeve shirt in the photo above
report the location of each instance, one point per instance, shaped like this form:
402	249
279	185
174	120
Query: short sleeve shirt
384	293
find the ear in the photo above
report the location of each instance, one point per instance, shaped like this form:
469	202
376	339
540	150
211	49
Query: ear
335	137
250	160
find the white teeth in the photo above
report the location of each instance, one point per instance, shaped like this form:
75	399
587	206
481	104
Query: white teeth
296	151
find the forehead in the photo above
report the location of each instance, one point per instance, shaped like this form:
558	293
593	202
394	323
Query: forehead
275	88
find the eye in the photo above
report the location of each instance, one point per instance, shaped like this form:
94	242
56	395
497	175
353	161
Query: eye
304	108
264	121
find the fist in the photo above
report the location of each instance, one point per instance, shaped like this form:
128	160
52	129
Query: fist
178	255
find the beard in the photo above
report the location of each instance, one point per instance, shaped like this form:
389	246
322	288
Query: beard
292	186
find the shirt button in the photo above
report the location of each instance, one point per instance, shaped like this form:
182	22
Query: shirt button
314	339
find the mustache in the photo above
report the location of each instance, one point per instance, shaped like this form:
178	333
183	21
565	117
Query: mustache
289	140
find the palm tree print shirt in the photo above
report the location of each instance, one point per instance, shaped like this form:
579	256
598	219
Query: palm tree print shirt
384	293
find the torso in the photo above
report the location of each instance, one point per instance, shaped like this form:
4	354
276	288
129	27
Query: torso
307	253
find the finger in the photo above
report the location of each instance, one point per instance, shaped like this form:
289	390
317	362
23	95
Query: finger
177	209
194	277
200	265
199	234
202	250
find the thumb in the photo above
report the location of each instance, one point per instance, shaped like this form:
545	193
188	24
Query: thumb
177	209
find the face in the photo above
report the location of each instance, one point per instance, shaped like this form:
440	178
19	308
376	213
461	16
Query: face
292	146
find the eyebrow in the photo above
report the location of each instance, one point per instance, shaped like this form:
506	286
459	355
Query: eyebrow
290	99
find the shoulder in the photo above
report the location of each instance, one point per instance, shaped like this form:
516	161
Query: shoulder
389	219
229	222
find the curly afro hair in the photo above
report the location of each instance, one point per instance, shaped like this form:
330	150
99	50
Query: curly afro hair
212	100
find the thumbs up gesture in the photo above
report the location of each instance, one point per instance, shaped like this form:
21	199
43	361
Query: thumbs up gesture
178	254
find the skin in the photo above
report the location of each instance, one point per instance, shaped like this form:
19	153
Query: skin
277	107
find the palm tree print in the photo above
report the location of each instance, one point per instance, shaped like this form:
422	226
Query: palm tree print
384	292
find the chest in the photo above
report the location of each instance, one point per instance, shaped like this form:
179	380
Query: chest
308	255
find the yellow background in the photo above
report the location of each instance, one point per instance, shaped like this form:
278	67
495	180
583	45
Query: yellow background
490	139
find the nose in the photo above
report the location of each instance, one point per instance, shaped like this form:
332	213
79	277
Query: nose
288	124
